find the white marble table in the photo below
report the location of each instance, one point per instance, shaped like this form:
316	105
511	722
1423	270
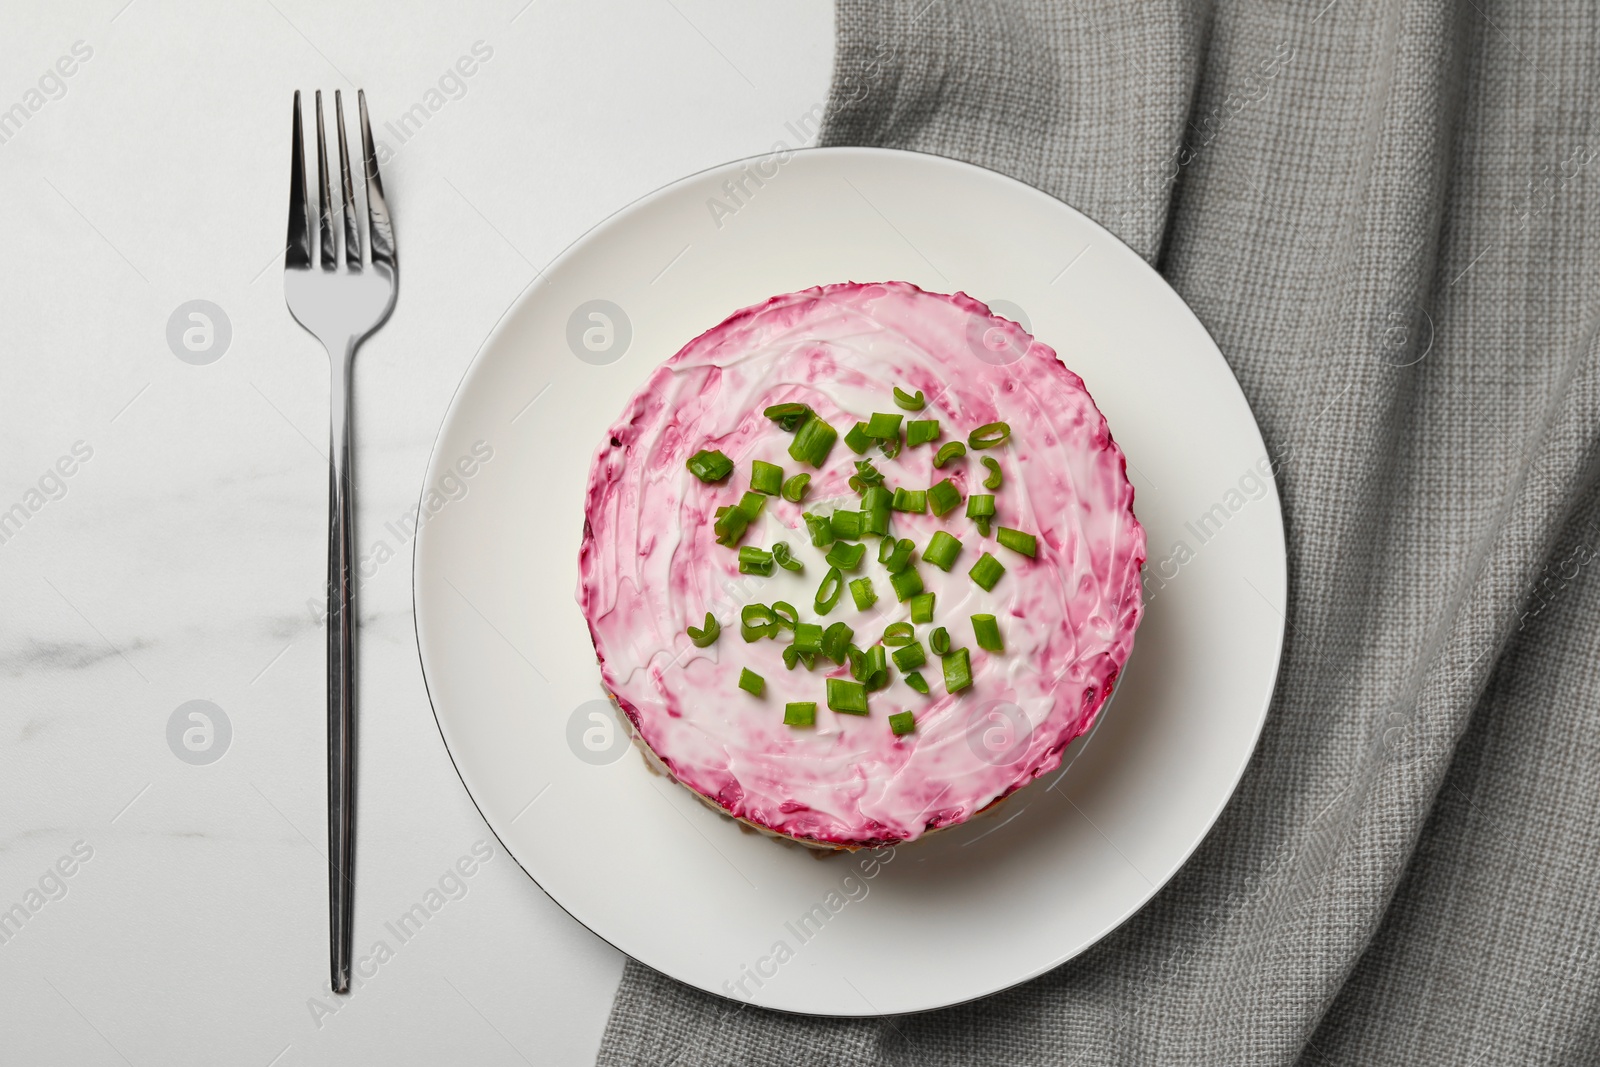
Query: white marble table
162	520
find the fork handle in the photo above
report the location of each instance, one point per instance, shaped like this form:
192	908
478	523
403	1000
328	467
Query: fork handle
341	674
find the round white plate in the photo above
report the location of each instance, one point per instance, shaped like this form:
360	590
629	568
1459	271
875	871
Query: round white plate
636	858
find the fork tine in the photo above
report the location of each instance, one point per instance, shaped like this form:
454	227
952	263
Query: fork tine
352	236
381	230
330	255
297	250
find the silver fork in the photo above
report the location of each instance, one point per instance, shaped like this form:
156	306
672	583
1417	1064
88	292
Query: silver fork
341	308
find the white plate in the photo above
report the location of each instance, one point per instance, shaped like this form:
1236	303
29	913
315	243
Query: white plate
635	857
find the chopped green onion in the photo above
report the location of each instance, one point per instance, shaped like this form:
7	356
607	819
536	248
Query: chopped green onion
751	504
792	655
882	427
868	474
785	558
942	550
814	441
857	438
857	486
707	634
899	633
751	682
900	558
980	506
788	416
753	560
785	615
939	641
807	637
890	446
996	477
943	498
948	451
987	632
957	670
766	477
821	529
875	503
1017	541
710	466
907	584
870	667
912	500
794	489
861	592
829	591
800	713
730	525
983	526
917	682
902	723
847	696
836	642
987	571
922	608
910	403
921	432
989	435
847	525
910	657
757	621
885	549
846	557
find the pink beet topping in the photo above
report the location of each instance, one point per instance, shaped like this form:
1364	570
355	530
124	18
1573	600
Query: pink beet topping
650	566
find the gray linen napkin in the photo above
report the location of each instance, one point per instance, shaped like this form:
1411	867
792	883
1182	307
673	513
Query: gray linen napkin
1386	212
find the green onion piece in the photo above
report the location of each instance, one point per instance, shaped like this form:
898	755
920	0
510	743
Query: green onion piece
871	668
957	670
910	657
948	451
710	466
829	591
785	558
846	557
939	641
989	435
707	634
820	527
751	682
753	560
902	723
987	632
847	696
980	505
861	592
766	477
789	416
814	441
917	682
791	656
912	500
942	550
875	504
847	525
794	489
751	504
857	486
882	427
836	642
909	403
885	549
986	571
1017	541
907	584
943	498
800	713
890	446
899	633
868	474
757	621
983	526
785	615
807	637
922	608
900	558
730	525
921	432
857	438
996	478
